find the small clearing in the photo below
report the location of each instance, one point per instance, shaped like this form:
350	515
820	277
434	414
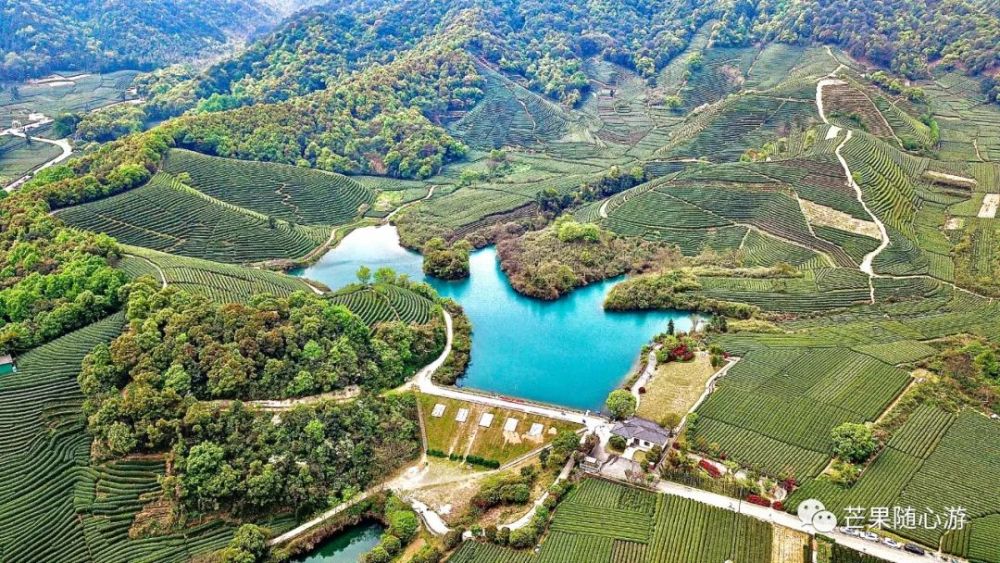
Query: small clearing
832	132
675	387
954	224
818	214
989	208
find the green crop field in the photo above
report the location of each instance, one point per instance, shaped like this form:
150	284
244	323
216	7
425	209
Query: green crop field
292	194
167	216
69	91
53	506
220	282
17	157
375	304
637	526
920	468
777	411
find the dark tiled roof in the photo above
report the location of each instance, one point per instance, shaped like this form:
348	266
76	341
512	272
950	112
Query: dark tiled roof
642	429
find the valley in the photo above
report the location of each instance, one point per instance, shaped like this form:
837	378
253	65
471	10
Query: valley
508	281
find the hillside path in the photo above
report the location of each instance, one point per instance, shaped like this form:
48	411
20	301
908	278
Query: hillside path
63	144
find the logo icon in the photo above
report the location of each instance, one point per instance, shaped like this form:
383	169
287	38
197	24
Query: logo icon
813	513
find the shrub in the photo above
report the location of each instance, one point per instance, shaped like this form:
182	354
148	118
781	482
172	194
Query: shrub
617	443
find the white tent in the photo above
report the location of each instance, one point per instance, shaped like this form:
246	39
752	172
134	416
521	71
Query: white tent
438	411
486	420
536	429
463	415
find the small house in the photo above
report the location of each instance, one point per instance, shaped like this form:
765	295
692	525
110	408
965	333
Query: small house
641	433
7	365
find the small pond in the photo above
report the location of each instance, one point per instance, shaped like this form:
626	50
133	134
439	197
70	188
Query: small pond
347	546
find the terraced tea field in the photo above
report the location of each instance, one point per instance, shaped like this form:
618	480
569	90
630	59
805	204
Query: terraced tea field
167	216
53	505
606	522
220	282
290	193
919	468
375	304
777	410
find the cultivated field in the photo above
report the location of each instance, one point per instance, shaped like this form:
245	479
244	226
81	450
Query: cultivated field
289	193
168	216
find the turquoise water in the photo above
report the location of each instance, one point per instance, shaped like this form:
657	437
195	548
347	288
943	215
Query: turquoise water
568	352
347	546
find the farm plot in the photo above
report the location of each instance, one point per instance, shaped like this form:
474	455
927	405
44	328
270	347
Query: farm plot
220	282
850	107
686	531
165	215
44	446
290	193
803	294
781	417
382	303
17	157
918	468
76	93
605	522
479	552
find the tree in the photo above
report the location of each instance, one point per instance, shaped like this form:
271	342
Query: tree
404	525
853	442
621	404
249	545
364	275
671	328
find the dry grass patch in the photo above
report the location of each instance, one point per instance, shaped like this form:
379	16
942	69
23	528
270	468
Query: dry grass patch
675	387
448	435
787	545
829	217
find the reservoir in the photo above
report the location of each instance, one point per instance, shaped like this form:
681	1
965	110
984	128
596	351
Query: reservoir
568	352
347	546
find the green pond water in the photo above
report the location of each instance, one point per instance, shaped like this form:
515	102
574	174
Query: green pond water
568	352
347	546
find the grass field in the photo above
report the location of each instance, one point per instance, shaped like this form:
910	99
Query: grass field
674	388
446	434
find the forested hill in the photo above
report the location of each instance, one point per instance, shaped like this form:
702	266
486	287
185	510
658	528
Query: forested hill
545	42
38	36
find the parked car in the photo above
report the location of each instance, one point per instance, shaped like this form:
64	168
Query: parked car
870	536
850	531
890	542
915	549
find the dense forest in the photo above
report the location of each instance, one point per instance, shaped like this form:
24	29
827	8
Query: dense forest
544	43
38	36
